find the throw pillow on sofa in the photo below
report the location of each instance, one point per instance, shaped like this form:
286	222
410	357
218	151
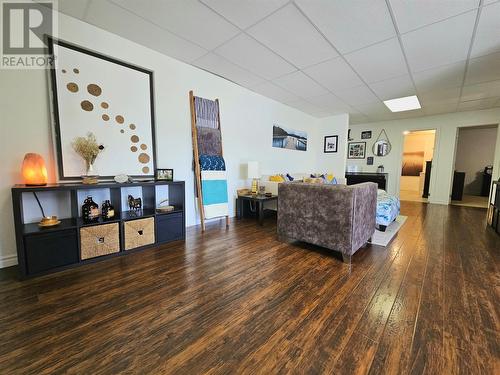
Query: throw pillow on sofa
329	179
276	178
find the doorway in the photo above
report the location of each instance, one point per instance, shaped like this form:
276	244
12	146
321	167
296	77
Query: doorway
474	157
418	151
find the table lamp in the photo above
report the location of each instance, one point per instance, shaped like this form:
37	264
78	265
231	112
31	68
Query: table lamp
253	173
34	171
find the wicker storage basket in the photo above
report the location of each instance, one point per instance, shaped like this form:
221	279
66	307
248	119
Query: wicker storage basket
140	232
98	240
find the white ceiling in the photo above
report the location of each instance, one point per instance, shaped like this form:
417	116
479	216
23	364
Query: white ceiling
325	56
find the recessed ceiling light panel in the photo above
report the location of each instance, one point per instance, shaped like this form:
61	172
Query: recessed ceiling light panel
403	104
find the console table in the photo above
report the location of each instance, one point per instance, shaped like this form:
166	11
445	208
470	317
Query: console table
380	179
46	250
494	207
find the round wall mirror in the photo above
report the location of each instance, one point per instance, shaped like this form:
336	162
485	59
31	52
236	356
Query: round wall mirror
381	147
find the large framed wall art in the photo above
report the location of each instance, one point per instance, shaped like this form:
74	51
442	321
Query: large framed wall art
111	99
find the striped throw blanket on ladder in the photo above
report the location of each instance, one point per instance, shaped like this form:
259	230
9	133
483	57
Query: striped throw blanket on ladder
214	186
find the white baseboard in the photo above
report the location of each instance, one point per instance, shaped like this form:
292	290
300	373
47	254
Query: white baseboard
8	261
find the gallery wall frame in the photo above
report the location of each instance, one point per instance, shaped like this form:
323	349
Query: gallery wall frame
128	132
330	144
356	150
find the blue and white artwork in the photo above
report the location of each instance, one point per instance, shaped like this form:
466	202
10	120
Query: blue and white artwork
289	139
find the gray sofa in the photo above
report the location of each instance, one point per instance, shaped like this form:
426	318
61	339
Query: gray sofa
338	217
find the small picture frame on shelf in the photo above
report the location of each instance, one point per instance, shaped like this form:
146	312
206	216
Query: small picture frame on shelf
369	160
330	143
164	174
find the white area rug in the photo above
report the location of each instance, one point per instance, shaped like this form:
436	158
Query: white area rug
383	238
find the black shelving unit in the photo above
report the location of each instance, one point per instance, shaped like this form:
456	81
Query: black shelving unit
381	179
45	250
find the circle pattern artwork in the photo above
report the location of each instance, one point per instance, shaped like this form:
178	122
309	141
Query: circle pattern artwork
105	117
64	70
144	147
144	158
145	170
134	138
94	89
133	149
104	105
119	119
76	71
72	86
132	127
122	131
87	106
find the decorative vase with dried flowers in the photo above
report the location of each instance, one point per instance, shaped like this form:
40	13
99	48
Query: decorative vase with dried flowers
88	148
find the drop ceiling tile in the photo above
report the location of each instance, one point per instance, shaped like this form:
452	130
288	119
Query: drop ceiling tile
357	95
220	66
435	109
300	84
253	56
350	25
291	35
481	91
373	109
392	88
136	29
379	62
334	74
187	18
411	15
441	96
244	13
475	105
305	106
73	8
407	114
440	78
483	69
330	103
358	118
272	91
439	44
487	39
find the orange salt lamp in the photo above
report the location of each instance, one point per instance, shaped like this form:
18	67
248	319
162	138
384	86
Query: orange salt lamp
34	171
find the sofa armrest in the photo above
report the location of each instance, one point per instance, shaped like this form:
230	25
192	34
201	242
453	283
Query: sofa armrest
365	213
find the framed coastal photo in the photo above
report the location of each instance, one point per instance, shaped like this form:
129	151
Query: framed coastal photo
331	143
289	138
89	96
164	174
356	150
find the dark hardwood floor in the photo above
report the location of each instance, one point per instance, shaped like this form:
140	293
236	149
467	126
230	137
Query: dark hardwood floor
238	301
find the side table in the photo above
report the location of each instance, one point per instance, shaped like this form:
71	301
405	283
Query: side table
259	201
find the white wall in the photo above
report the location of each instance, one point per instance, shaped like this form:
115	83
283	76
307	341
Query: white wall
475	150
332	162
246	120
446	126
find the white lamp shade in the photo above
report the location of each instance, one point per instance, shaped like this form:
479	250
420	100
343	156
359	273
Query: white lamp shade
253	170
